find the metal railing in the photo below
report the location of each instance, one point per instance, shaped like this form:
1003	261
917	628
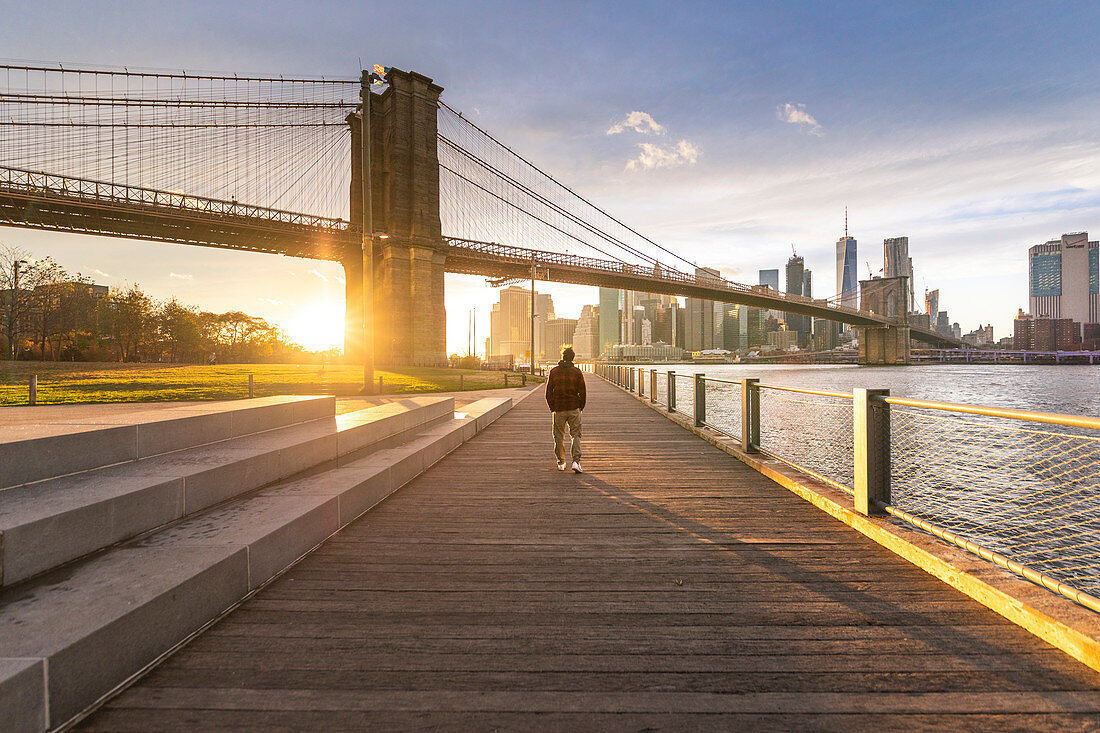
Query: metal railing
1018	488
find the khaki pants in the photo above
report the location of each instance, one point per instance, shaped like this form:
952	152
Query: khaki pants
572	418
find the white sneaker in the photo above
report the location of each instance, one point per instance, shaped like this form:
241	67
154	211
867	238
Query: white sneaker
577	467
561	466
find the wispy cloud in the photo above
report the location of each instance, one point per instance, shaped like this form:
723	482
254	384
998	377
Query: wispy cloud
101	273
271	301
178	276
796	114
637	121
670	156
317	274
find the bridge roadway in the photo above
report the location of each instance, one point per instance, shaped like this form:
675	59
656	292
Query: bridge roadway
63	203
668	587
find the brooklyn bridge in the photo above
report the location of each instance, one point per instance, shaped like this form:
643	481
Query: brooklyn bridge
277	165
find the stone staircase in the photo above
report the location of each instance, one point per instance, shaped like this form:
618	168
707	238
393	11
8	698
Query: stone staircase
120	539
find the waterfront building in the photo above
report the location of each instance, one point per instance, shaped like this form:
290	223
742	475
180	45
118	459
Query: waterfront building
783	340
1064	279
586	338
1030	333
609	319
982	336
652	353
847	276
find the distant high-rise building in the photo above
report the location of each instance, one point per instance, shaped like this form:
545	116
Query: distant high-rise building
1064	279
510	324
932	304
847	274
559	333
700	316
770	278
586	338
898	263
808	283
796	282
609	319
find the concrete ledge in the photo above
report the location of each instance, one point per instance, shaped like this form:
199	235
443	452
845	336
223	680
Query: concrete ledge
276	530
1055	619
103	441
97	624
80	632
47	523
22	695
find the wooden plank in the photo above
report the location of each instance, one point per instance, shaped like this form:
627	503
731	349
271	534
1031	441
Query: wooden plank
669	586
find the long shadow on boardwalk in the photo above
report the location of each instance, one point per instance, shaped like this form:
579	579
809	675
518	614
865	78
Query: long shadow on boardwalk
668	587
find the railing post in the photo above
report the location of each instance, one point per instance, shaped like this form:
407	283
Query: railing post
700	400
251	387
871	444
652	385
640	378
32	390
750	415
630	379
672	391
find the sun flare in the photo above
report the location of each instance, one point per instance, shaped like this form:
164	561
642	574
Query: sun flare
317	327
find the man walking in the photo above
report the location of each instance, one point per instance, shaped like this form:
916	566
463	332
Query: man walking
565	395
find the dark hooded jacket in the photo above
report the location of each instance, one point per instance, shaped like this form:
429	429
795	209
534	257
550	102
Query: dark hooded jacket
565	388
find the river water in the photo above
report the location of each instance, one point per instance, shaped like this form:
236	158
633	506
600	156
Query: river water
1030	491
1069	389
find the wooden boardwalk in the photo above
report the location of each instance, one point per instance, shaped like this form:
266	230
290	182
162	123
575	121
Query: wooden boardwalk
669	587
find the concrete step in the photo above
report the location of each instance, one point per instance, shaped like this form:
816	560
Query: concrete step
47	523
71	636
68	445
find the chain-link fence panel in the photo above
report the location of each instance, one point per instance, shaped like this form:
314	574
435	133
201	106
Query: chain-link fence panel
1031	494
723	406
812	432
685	394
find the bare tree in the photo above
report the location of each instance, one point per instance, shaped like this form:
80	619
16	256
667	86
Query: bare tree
21	276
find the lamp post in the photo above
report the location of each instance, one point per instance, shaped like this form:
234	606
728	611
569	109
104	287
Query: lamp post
13	311
367	230
532	315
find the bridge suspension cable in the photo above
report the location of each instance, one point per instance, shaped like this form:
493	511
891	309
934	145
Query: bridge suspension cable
490	192
272	142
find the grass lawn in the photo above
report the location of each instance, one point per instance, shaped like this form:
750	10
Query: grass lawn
65	382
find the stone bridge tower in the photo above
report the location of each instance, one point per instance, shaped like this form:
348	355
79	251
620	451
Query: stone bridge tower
885	296
410	323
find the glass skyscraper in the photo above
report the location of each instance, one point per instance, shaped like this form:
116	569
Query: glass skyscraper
847	277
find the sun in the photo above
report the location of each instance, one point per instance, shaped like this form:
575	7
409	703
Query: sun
317	327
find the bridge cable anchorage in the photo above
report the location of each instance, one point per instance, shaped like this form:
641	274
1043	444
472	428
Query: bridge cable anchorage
513	166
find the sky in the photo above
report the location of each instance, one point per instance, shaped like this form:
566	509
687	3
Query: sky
728	131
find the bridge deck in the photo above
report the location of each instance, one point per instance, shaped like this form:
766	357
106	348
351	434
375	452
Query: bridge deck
669	586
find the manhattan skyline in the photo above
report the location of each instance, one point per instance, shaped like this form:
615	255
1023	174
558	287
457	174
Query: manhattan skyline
727	134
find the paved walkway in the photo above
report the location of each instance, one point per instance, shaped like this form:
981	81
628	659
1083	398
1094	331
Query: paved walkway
668	587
